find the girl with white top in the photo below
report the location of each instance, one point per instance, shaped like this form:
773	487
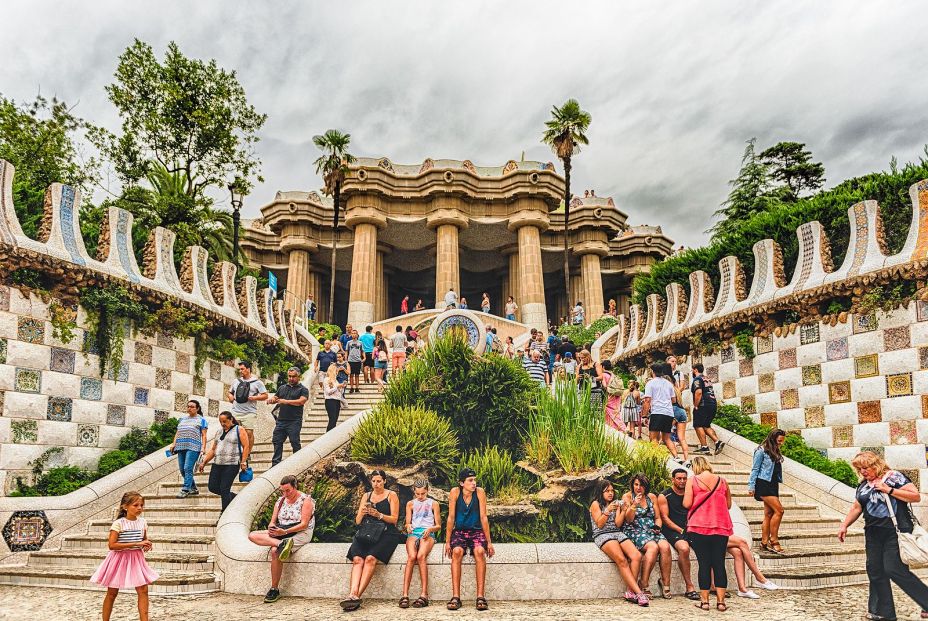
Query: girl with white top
334	397
422	522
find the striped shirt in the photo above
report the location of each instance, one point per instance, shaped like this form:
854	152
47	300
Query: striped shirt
130	531
190	434
536	370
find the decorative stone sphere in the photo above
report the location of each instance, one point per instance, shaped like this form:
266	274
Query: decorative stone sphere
461	319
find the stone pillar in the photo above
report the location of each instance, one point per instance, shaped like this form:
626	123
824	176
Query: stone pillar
592	286
576	293
515	287
298	276
447	220
531	278
362	299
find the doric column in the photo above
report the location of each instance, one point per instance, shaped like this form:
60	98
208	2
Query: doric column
576	292
362	299
592	285
514	284
297	245
447	222
529	225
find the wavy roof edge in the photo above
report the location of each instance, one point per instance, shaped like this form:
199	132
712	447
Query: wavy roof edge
441	164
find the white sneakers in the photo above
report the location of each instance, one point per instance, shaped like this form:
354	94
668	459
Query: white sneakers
769	585
748	594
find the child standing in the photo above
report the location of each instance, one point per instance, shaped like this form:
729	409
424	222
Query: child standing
124	566
631	409
422	522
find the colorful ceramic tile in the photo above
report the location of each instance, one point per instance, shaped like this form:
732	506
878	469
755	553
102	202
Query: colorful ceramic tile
143	353
815	416
163	379
879	450
59	409
115	414
842	436
899	385
921	310
90	345
839	392
865	323
121	374
866	366
869	412
837	349
913	475
812	375
88	435
199	386
764	345
749	404
165	340
924	406
712	374
745	367
24	431
215	370
180	402
728	354
765	382
728	389
3	351
789	398
788	358
4	298
902	432
183	362
62	360
141	396
31	330
27	380
162	416
213	408
26	531
91	389
897	338
769	418
808	333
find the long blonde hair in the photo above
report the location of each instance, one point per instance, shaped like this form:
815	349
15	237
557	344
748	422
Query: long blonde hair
332	373
700	464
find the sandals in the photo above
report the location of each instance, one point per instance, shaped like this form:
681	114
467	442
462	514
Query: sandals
703	605
421	602
482	604
775	547
665	590
404	602
454	603
692	595
721	606
351	604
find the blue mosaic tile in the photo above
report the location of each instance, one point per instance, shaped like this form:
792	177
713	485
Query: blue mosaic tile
90	346
31	330
120	375
141	396
59	409
91	389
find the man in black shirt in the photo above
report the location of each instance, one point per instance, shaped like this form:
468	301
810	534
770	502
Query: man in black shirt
289	400
567	346
704	408
673	517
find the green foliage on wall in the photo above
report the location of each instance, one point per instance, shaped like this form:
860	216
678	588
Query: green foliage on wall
581	335
111	310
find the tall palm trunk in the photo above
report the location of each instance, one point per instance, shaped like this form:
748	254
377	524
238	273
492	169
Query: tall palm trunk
338	191
566	232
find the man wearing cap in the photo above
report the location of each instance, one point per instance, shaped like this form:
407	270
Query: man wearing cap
468	530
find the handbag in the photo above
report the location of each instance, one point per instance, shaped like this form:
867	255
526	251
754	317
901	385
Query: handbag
371	530
246	475
913	547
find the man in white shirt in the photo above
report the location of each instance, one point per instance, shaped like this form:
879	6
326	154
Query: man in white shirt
578	315
451	299
658	406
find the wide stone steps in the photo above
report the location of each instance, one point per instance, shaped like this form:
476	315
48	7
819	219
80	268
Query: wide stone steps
165	542
822	576
829	550
63	576
174	561
190	526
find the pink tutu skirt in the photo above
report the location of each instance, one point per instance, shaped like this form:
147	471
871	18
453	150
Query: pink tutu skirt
124	569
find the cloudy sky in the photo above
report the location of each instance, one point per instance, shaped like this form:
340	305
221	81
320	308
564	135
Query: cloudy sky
674	90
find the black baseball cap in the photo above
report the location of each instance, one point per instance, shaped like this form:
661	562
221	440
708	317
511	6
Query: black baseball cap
464	474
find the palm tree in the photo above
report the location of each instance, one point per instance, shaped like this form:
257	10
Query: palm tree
333	166
564	134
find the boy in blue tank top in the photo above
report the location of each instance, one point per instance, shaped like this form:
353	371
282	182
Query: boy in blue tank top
468	530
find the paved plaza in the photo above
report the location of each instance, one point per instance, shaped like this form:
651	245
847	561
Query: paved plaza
24	603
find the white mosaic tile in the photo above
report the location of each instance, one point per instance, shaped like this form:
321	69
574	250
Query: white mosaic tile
838	414
901	361
788	378
868	388
813	353
902	408
837	370
905	456
819	437
813	395
794	418
871	434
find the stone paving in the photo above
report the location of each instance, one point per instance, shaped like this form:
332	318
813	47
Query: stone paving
26	603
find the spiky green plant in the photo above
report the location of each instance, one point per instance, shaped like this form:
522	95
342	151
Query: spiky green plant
496	471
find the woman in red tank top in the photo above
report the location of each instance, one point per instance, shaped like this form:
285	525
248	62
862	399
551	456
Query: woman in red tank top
708	528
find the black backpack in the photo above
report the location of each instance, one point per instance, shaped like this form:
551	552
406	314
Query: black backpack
242	391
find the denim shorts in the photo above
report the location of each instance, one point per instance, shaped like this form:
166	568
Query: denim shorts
679	414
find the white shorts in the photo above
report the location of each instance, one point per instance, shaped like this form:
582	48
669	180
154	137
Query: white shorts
247	421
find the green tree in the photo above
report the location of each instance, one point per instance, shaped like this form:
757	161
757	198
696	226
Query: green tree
791	164
566	131
333	166
748	195
42	140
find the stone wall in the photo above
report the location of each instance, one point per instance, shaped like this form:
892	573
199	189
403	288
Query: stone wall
844	380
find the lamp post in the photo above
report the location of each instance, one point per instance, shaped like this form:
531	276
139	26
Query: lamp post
235	188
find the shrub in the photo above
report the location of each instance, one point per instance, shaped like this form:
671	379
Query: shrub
484	397
330	330
496	471
405	435
580	335
112	461
651	461
62	480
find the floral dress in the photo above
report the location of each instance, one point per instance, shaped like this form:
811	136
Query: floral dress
640	530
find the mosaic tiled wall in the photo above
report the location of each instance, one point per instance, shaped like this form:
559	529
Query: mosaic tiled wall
51	393
861	384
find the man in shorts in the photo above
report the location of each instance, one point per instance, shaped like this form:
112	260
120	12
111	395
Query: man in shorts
367	345
468	530
673	518
355	359
704	408
245	404
657	405
398	349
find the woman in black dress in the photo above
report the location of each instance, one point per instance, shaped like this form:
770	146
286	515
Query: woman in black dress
379	504
764	484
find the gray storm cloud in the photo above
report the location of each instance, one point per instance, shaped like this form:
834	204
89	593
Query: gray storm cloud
674	88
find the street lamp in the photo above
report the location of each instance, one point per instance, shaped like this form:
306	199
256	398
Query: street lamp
235	188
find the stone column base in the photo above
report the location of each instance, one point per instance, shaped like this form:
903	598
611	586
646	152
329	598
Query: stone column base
360	314
535	314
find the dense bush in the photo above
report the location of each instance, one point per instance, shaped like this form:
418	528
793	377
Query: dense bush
330	330
405	435
111	461
486	398
580	335
795	447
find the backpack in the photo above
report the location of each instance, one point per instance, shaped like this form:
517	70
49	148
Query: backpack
242	391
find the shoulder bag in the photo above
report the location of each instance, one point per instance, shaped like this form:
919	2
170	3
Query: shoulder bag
913	547
371	529
696	508
246	475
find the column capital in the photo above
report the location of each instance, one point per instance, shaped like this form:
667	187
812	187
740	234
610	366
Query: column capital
591	247
532	217
298	243
439	217
365	215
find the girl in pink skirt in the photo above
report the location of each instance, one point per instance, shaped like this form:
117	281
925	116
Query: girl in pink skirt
124	566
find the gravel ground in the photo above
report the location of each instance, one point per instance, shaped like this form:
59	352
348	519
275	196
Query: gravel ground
30	603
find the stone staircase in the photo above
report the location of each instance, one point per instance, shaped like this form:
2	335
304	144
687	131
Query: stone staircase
813	558
181	529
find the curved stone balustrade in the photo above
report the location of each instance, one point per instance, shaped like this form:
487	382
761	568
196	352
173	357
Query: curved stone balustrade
61	241
866	262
